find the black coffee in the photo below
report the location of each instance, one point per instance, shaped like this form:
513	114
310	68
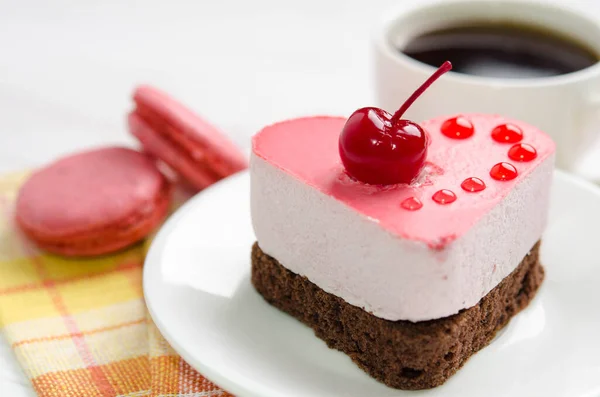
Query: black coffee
502	50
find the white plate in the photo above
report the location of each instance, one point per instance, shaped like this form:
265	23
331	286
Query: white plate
197	288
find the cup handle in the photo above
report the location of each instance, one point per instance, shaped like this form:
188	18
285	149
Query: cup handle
587	160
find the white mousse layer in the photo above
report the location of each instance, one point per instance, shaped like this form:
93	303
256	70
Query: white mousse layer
351	256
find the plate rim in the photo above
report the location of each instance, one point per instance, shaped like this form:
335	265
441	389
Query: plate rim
215	376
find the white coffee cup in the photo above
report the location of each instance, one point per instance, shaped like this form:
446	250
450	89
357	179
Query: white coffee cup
567	107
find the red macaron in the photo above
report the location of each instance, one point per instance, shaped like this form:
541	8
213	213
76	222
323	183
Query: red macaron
189	145
93	203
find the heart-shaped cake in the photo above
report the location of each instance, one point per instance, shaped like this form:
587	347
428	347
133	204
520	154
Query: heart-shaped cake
407	278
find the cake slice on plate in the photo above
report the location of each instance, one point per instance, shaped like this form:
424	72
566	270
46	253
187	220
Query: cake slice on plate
405	246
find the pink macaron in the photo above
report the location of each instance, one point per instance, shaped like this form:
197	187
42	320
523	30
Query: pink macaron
93	203
192	147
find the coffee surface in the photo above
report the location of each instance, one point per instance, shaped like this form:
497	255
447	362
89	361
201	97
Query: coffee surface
502	50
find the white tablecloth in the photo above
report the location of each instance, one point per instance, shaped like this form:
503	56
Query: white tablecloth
67	69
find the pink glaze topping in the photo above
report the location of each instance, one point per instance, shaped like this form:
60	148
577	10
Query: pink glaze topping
307	148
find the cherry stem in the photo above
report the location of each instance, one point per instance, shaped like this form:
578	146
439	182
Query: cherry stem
446	67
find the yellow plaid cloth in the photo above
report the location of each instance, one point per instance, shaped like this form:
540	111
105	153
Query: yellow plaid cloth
80	327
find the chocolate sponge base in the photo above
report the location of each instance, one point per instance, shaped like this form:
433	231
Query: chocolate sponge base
401	354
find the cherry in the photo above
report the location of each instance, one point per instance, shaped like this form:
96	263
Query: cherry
379	148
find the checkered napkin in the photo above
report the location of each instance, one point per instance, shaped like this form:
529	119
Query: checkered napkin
80	327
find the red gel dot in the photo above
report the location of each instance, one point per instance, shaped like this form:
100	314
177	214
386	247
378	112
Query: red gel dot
507	133
457	128
522	152
411	204
444	196
473	185
503	172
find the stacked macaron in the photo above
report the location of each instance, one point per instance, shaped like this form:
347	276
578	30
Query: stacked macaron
103	200
192	147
